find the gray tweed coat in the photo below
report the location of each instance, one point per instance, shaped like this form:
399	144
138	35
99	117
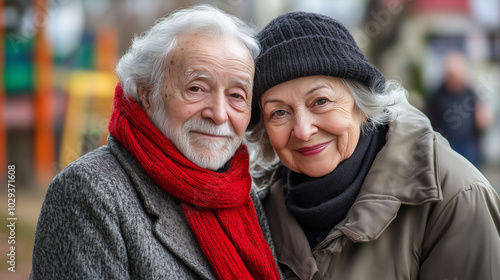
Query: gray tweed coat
104	218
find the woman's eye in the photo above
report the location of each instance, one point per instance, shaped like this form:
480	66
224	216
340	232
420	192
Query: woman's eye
320	101
278	113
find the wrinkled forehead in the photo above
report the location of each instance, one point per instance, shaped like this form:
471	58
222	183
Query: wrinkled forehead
195	74
200	42
201	56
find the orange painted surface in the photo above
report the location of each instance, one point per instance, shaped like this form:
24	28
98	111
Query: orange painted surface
106	49
44	99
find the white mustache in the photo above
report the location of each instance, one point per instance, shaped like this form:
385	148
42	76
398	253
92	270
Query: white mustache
207	127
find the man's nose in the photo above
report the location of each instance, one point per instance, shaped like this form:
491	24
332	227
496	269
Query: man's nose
216	108
303	127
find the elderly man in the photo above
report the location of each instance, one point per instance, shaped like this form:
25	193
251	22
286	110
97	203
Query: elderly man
168	197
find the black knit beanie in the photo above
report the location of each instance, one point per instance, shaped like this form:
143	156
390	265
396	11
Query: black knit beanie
300	44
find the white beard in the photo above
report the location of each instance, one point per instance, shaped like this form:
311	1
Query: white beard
202	152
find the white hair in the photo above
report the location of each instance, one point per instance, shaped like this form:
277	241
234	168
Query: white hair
380	108
144	64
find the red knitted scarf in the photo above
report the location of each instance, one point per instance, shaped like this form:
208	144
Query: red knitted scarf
217	206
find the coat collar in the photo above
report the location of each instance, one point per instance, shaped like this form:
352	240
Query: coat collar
170	227
404	172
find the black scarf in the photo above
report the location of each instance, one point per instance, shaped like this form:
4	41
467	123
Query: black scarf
320	203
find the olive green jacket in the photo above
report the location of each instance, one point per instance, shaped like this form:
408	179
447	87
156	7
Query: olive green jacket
423	212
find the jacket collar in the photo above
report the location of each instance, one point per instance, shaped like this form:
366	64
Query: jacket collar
404	172
170	226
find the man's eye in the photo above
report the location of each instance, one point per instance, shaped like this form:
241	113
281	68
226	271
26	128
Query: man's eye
238	96
195	89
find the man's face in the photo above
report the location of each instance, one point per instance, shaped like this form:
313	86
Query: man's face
207	97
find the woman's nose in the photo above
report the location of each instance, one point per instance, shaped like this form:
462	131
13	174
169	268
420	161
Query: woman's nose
303	127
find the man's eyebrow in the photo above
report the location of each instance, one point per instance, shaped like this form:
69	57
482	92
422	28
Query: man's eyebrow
195	74
243	82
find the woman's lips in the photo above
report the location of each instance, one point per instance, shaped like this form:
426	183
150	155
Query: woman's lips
313	150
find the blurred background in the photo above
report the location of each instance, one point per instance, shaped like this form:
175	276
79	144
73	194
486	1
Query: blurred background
57	78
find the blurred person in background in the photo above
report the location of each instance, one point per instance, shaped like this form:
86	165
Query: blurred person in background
355	182
456	111
170	196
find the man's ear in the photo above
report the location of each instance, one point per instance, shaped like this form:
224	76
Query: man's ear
144	98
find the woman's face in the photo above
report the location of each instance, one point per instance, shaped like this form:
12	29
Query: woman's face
312	123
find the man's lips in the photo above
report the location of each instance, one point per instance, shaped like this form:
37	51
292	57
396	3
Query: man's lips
208	135
313	150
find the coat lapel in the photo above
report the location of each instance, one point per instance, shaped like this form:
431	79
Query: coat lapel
172	230
170	227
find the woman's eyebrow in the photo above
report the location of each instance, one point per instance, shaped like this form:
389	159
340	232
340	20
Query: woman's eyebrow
315	89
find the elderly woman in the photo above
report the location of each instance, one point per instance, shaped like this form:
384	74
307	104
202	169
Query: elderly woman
355	182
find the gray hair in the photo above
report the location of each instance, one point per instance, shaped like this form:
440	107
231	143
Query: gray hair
144	65
380	108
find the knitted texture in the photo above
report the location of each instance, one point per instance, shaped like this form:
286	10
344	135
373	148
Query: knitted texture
301	44
217	206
